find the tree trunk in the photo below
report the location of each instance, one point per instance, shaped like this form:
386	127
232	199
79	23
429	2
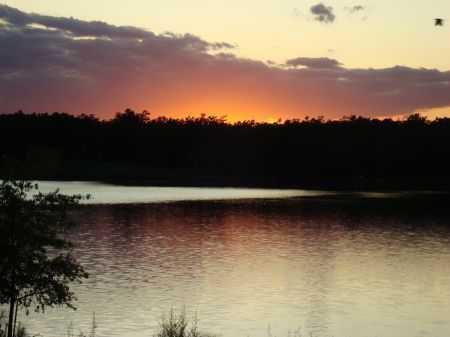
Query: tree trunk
11	317
15	319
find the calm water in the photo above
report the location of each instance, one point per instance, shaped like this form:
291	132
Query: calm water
344	265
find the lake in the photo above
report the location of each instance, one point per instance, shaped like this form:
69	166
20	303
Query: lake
342	264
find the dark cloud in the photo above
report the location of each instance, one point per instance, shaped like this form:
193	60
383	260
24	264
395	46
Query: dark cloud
72	26
314	63
322	13
102	69
78	28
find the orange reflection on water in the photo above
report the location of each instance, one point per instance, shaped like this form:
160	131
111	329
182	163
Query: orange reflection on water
330	268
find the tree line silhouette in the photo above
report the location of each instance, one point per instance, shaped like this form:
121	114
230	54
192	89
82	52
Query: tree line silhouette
351	147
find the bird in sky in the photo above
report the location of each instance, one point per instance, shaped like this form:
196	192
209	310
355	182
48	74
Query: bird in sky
439	22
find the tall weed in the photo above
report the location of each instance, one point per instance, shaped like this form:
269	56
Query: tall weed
181	325
79	333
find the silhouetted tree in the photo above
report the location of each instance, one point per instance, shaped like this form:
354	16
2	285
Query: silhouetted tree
129	117
31	227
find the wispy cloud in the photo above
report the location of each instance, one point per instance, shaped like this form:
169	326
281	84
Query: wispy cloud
78	67
296	13
314	63
359	12
355	9
322	13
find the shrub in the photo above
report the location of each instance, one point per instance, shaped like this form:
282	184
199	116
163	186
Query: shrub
20	329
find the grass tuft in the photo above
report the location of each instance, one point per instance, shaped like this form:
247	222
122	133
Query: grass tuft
181	325
93	329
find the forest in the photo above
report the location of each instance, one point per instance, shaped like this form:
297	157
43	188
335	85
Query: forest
208	146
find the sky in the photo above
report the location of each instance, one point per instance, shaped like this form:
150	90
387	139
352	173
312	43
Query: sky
246	59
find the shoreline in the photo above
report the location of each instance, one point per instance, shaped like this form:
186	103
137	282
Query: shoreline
133	174
140	174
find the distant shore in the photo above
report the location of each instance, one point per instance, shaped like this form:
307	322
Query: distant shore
347	154
150	175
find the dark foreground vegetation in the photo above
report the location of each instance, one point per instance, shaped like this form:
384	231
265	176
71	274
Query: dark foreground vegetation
36	260
170	325
135	146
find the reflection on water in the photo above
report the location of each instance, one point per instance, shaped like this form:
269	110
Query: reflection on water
332	265
114	194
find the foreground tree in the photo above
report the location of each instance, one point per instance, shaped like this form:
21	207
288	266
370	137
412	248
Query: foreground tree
36	262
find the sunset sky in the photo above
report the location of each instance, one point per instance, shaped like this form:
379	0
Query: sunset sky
246	59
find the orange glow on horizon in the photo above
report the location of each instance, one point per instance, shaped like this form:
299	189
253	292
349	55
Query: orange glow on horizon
241	101
232	113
